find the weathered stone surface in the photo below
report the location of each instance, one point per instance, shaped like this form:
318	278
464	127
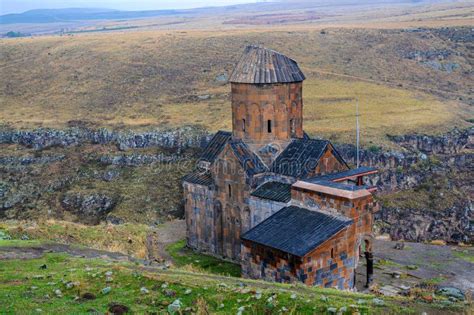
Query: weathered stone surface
452	225
96	204
43	138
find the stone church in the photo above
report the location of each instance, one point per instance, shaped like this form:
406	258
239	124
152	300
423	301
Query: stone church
285	206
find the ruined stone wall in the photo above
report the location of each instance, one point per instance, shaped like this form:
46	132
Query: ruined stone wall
199	217
254	105
330	265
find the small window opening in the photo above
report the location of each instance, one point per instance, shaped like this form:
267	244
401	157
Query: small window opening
269	126
292	126
230	190
243	125
332	252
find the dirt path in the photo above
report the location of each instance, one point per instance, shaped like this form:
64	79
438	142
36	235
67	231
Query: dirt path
157	241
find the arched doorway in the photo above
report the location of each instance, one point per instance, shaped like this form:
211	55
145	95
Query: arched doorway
369	258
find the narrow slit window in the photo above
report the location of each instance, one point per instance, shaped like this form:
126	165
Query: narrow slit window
332	252
269	126
243	125
292	126
230	190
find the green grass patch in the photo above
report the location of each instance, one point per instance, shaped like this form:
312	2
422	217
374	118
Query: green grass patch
184	256
20	243
387	263
434	281
56	283
465	255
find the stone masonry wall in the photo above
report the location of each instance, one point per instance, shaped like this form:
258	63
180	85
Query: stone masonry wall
282	104
232	194
199	214
330	265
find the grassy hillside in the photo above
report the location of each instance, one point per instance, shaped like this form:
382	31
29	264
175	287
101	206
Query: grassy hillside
149	79
58	283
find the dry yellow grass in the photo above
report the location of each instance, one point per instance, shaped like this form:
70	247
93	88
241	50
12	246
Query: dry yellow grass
329	112
150	79
126	238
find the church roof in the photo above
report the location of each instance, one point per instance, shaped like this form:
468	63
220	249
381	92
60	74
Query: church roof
296	230
259	65
275	191
361	171
249	160
199	178
215	146
301	157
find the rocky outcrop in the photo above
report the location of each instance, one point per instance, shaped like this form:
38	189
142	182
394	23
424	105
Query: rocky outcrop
95	205
404	170
452	142
137	159
27	159
39	139
452	225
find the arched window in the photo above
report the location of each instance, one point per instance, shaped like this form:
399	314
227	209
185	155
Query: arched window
332	253
269	126
243	125
230	190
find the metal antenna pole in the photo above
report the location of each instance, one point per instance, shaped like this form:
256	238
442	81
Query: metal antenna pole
357	130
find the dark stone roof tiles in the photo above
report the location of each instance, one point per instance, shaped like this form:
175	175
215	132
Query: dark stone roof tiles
275	191
215	146
199	178
296	230
300	157
259	65
249	160
348	173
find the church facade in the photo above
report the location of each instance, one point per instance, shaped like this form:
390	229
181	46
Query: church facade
286	207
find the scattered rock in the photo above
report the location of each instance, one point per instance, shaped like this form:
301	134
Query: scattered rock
169	293
399	246
114	220
144	290
188	291
175	306
378	302
71	285
451	292
106	290
58	293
